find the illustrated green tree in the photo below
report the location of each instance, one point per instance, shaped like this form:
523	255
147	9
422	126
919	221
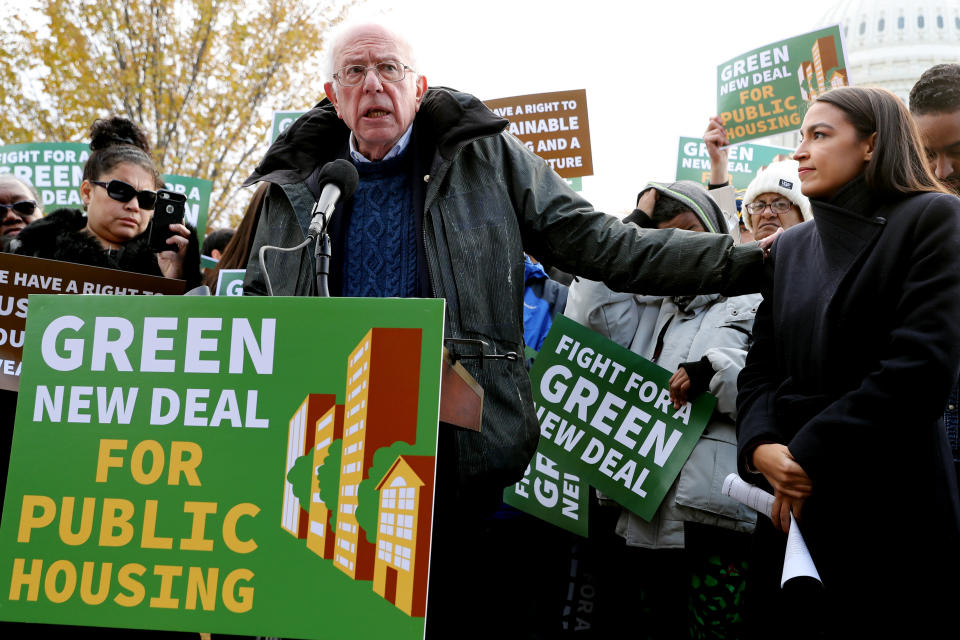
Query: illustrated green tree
203	77
328	478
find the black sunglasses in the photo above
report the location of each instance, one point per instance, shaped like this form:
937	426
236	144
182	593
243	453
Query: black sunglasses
24	207
123	192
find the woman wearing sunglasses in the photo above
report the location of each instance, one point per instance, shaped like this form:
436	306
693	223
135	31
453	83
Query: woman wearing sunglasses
856	349
119	192
18	207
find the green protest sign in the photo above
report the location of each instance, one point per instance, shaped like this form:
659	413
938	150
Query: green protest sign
282	120
255	466
230	282
549	491
693	161
765	91
55	169
605	414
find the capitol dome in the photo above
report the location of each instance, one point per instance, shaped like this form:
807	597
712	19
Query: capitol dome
889	43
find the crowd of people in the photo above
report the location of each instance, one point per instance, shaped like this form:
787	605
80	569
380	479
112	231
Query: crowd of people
821	308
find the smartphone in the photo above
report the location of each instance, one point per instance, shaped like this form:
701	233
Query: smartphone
168	210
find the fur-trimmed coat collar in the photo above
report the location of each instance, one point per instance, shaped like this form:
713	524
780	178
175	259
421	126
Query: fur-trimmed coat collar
60	236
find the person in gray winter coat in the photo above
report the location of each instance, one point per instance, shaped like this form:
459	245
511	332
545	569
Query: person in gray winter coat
704	340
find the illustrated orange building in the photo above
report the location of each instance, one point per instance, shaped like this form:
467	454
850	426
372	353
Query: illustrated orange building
824	59
403	533
380	408
320	538
300	439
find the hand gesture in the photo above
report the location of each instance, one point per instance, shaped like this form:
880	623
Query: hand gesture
791	484
648	199
715	137
679	385
171	260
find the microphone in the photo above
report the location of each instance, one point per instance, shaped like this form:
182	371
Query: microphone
338	179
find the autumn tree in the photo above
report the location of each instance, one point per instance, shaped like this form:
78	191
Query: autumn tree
203	77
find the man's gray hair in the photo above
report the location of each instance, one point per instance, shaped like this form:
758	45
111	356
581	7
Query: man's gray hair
336	39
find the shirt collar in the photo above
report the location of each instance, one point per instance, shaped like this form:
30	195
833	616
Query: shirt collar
393	153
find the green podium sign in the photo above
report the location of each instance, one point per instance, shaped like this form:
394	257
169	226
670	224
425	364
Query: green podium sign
255	466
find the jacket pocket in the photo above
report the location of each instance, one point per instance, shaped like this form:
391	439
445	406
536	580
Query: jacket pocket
738	317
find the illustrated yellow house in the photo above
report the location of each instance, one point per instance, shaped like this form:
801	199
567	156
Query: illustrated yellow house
838	78
403	533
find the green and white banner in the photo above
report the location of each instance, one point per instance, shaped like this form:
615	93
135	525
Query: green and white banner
230	282
693	161
765	91
255	466
606	417
552	492
55	169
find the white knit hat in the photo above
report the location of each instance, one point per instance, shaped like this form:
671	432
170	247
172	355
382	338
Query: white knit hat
778	177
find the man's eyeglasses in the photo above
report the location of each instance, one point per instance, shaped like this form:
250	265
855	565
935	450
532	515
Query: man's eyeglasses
123	192
24	207
388	71
777	206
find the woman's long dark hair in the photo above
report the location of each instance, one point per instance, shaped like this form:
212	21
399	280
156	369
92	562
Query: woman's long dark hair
898	163
237	251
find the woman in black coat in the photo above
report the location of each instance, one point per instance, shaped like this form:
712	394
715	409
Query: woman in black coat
118	191
856	345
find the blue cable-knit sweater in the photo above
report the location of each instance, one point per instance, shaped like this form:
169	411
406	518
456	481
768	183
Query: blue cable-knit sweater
380	246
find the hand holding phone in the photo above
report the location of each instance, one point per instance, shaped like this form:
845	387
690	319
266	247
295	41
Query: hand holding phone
168	210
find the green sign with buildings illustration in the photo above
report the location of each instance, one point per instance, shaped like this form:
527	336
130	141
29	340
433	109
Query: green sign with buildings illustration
765	91
254	466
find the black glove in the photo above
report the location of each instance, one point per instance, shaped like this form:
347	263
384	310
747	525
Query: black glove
700	374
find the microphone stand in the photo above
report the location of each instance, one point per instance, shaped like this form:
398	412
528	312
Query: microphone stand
323	254
322	250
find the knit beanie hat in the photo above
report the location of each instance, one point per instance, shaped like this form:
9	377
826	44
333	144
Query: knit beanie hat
778	177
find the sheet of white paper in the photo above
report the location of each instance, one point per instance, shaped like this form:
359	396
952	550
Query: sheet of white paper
796	561
750	495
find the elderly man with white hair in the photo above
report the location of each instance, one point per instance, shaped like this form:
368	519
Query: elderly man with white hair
447	203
